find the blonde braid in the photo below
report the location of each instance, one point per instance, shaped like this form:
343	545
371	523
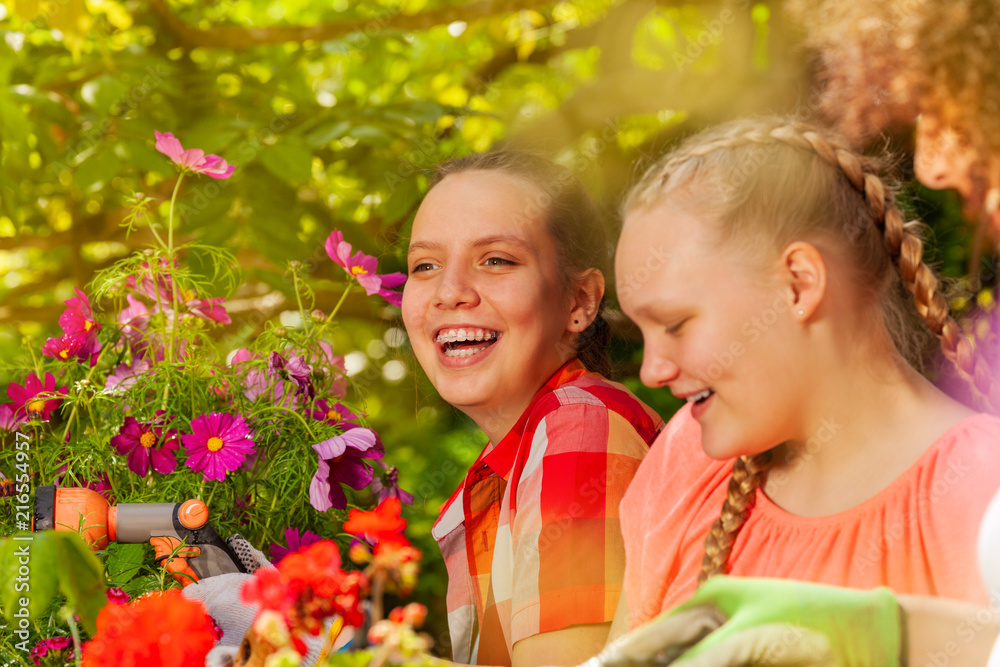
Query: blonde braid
904	248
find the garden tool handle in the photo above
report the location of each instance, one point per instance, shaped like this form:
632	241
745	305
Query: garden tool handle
177	565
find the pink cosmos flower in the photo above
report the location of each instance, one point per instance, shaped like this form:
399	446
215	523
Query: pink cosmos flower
363	268
389	486
342	461
219	444
209	309
26	398
9	420
133	320
336	414
147	445
78	316
77	345
125	375
193	159
294	542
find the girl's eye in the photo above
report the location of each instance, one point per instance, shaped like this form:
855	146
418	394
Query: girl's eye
675	329
423	266
498	261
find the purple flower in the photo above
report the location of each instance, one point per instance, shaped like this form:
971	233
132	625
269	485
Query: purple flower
125	375
192	159
9	420
330	365
42	648
294	542
259	382
147	445
116	595
364	269
389	486
26	398
338	414
341	461
219	444
295	369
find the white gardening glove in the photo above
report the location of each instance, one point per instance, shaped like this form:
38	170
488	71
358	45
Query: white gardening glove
775	644
221	596
660	641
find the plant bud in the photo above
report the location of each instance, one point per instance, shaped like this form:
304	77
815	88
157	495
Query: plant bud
318	316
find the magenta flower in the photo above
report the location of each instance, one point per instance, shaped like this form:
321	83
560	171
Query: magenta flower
116	595
52	644
219	444
28	400
388	485
77	345
193	159
337	414
363	268
294	542
147	445
78	316
341	461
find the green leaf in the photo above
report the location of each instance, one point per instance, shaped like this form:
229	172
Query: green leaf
97	170
326	133
81	578
288	160
124	561
402	199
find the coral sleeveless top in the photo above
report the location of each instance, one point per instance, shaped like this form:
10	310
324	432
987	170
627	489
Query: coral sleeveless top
916	536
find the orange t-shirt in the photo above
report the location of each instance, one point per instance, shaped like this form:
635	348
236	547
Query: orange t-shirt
916	536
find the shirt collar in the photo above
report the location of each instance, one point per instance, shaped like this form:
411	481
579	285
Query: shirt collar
500	458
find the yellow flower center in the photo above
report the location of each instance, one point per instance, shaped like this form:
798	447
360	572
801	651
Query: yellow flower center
187	294
214	444
355	270
63	354
333	416
36	406
87	324
147	439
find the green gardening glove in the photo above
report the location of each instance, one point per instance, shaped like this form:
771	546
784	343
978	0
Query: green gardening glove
780	621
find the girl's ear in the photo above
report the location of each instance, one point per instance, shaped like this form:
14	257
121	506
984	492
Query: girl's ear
804	272
588	290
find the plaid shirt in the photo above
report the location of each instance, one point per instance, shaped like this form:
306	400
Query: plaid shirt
531	538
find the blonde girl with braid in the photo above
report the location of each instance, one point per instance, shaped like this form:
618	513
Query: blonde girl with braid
781	291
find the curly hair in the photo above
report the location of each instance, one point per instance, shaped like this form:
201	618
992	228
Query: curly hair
771	182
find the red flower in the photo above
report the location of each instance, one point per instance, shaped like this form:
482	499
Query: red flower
164	629
307	587
382	522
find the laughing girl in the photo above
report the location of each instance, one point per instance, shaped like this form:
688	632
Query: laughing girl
503	310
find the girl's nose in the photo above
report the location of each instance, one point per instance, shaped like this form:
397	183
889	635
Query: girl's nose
658	369
455	290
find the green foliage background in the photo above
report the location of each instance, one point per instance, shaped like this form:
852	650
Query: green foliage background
334	113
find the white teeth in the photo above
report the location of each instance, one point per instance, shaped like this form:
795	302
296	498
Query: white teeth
465	352
463	335
705	393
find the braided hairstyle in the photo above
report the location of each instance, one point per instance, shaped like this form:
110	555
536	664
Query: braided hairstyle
770	182
573	221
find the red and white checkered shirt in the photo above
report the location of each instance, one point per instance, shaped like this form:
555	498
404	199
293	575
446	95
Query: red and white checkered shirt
531	538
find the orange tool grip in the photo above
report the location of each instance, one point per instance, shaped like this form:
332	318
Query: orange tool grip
176	565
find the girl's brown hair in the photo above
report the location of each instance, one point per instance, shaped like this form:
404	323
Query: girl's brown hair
573	220
770	182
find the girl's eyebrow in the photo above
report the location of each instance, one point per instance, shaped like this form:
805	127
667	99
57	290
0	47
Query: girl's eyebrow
508	239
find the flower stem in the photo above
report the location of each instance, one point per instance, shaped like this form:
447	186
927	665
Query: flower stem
298	297
77	650
333	313
170	219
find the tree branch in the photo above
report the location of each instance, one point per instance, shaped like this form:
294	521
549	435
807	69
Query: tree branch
234	37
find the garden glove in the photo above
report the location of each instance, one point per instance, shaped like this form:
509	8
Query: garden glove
221	596
861	628
660	641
